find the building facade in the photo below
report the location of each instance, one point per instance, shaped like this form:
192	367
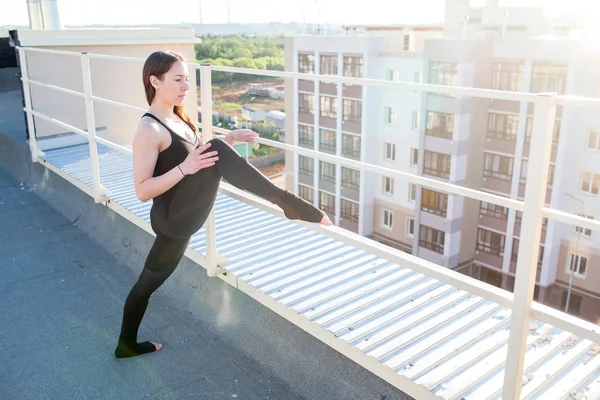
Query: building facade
477	143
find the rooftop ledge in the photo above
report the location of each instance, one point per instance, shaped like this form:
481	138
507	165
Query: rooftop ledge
428	338
118	36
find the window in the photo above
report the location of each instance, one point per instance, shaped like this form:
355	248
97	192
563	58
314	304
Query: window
434	202
353	67
432	239
388	185
551	170
590	182
440	124
507	76
393	75
502	126
524	168
328	107
436	164
352	110
391	115
416	117
412	192
306	165
329	65
306	135
555	132
410	227
414	157
306	63
593	142
349	210
327	203
490	242
350	178
548	78
387	218
443	73
519	220
350	146
499	167
417	77
389	150
494	211
307	103
515	253
577	264
327	171
307	193
406	42
327	141
585	231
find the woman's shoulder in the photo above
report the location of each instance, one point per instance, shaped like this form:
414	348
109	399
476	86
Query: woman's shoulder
149	132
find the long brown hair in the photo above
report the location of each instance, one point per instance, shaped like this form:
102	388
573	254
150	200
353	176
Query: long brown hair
157	64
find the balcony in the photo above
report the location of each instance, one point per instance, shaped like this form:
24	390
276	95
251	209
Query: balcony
425	330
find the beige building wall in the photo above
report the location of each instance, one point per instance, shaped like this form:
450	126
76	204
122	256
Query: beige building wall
117	80
400	217
592	275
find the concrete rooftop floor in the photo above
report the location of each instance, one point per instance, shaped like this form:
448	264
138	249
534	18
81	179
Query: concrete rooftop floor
62	297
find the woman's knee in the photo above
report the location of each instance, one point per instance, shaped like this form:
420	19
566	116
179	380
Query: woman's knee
219	144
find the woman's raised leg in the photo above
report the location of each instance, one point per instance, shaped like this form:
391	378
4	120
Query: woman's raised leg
243	175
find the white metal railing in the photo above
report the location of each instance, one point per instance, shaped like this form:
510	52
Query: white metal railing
532	207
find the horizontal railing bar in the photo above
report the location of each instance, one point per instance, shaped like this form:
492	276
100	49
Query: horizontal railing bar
577	101
57	122
116	58
566	100
118	104
113	145
48	51
410	86
416	179
54	87
571	219
570	323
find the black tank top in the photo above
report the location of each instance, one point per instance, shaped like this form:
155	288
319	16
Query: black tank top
170	157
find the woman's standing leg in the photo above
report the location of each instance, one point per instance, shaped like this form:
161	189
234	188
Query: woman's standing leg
162	260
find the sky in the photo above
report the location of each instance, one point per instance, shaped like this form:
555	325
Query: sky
122	12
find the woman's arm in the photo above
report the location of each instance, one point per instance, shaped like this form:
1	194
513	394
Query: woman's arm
146	146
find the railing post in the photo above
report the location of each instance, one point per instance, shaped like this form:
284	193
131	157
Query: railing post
35	153
213	257
535	196
99	191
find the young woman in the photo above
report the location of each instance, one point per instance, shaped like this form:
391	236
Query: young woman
172	166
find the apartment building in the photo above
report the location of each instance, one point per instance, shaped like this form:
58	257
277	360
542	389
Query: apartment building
477	143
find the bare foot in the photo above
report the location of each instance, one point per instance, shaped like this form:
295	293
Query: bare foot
157	345
326	221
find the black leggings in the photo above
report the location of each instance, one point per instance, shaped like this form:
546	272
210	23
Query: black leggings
192	201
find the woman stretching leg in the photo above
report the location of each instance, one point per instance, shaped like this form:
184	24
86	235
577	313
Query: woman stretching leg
174	168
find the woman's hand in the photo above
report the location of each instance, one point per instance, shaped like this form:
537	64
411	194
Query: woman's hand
198	159
241	135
